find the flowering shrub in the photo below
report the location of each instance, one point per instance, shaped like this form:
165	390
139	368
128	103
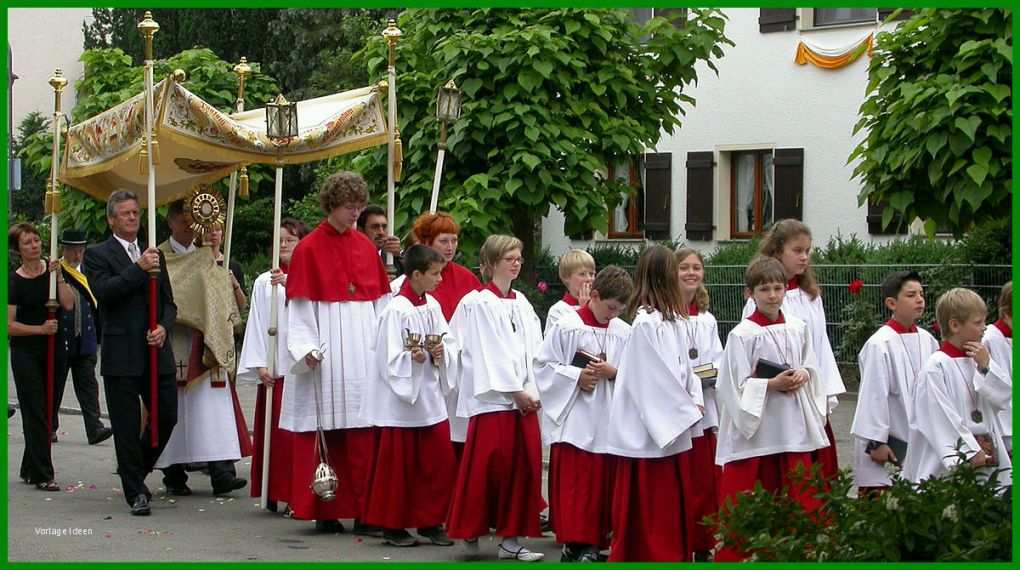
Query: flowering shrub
959	517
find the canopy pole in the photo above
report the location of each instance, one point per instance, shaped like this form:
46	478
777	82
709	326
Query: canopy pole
243	70
392	34
52	207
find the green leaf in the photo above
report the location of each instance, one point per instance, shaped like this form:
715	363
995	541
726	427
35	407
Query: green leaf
471	86
958	143
1000	132
532	133
935	142
544	68
998	91
977	173
530	160
571	26
529	80
982	156
968	126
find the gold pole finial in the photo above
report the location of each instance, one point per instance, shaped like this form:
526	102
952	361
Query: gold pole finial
148	28
392	34
243	70
58	82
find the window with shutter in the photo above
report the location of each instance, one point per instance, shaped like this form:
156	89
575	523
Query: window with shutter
700	195
752	192
625	219
777	20
658	192
789	183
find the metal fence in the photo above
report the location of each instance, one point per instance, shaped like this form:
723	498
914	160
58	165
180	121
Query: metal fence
725	285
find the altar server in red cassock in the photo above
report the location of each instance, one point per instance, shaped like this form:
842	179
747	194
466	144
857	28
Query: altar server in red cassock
657	402
575	372
252	367
414	359
335	282
499	484
772	401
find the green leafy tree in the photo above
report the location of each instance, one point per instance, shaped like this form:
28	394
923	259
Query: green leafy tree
551	96
938	119
27	203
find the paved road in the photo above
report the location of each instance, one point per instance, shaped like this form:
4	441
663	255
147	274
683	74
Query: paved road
89	520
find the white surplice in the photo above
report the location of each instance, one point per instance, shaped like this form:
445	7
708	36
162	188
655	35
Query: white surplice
1000	347
558	311
948	391
570	415
890	363
754	421
656	397
798	303
206	428
343	332
498	340
401	392
255	350
702	332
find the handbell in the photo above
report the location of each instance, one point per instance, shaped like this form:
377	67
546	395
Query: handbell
325	482
413	340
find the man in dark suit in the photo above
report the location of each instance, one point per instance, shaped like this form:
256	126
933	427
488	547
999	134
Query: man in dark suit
117	270
373	223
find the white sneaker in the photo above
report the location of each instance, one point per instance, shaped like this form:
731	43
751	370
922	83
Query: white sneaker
522	554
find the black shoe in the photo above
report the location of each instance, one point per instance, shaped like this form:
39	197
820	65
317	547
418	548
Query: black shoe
178	490
231	485
272	506
334	526
544	524
11	410
140	506
367	530
436	535
53	437
399	537
103	434
589	555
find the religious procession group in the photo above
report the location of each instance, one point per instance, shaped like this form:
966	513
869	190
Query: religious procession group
424	403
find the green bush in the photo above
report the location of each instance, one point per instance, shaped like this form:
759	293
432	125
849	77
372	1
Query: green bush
962	516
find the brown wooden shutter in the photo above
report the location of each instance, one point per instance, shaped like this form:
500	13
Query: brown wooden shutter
658	191
875	211
789	182
700	195
883	13
777	20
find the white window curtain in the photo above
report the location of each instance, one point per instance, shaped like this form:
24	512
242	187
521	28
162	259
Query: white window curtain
621	173
745	192
767	191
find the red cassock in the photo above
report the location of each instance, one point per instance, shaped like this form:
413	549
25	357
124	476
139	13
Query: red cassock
649	526
413	477
827	455
281	443
581	494
499	485
701	493
334	267
774	473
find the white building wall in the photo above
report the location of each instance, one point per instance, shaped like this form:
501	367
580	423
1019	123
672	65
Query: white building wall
762	99
43	39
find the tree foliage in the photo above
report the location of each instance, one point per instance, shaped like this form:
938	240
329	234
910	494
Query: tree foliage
27	203
551	96
938	118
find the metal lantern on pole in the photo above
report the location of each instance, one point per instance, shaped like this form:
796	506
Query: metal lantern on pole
448	103
148	28
281	127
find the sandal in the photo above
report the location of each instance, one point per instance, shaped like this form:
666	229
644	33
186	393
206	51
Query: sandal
48	486
522	554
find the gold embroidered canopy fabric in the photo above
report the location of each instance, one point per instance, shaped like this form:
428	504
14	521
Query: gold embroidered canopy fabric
199	144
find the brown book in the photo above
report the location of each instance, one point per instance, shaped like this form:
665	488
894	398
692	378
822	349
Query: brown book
582	359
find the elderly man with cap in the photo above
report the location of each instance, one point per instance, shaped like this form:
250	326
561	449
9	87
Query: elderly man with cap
81	329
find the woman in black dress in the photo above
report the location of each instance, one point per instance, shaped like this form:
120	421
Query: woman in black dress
27	328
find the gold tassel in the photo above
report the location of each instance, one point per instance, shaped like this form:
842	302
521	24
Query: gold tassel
143	160
55	202
243	191
48	198
398	157
155	150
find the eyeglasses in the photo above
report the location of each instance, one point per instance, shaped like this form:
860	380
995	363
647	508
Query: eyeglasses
513	260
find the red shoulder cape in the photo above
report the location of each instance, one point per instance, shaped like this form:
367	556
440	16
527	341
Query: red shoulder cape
332	267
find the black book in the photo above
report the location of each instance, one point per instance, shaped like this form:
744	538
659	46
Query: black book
899	449
582	359
765	368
